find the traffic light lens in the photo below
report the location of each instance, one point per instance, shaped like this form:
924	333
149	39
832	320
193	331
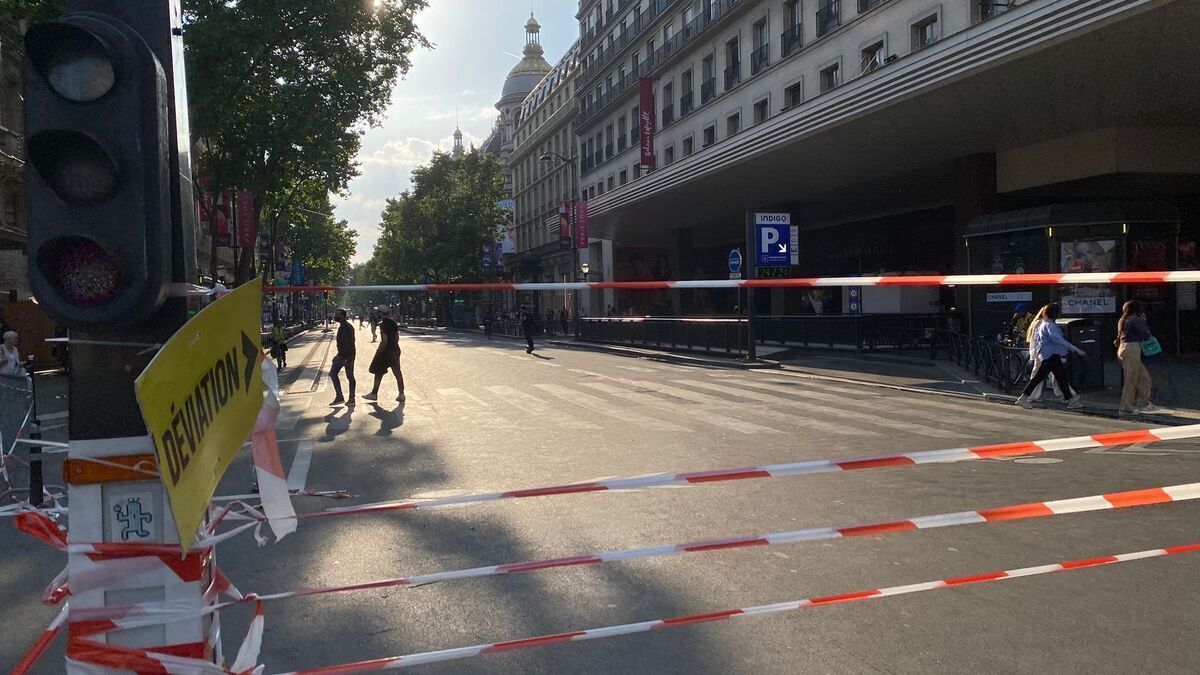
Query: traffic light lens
73	61
76	167
84	272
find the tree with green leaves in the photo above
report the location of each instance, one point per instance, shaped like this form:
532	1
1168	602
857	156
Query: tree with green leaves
280	92
437	230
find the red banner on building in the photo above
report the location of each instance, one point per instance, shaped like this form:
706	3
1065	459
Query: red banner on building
581	225
646	119
247	232
221	231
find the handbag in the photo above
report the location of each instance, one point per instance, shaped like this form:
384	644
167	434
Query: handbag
1151	347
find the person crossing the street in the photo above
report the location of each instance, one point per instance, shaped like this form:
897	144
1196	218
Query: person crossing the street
527	324
343	359
387	356
1051	349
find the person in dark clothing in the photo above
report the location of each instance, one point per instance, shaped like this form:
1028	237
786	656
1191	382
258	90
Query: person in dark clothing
487	325
344	358
387	356
527	328
564	318
550	322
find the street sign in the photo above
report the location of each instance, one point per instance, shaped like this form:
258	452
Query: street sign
735	261
200	397
776	240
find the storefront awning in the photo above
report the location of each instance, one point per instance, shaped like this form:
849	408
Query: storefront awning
1066	215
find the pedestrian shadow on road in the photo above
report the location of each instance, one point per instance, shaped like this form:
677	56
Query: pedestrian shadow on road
337	423
390	419
539	356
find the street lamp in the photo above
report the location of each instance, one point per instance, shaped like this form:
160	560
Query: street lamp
550	157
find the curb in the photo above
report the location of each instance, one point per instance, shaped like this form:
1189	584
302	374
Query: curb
666	357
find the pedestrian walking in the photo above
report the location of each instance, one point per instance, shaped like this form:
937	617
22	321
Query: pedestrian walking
564	318
487	325
279	347
1034	361
550	321
1052	348
374	319
527	328
343	359
1134	339
387	356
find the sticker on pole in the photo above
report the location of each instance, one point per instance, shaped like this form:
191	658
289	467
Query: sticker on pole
200	397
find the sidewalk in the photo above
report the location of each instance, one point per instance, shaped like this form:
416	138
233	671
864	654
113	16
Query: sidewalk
1176	382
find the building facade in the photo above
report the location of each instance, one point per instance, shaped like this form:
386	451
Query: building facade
14	284
903	136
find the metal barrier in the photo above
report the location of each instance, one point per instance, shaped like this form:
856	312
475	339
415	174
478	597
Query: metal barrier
726	335
16	411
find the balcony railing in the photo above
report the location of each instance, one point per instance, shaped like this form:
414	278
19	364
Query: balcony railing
733	75
608	150
829	17
687	103
760	58
990	8
790	40
668	114
708	90
867	5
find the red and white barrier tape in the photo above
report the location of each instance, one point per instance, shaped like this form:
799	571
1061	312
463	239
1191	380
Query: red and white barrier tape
790	469
134	616
806	282
31	657
272	481
397	662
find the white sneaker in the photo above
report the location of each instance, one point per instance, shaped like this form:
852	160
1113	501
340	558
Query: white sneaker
1075	402
1024	402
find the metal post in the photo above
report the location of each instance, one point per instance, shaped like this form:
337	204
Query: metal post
751	272
36	481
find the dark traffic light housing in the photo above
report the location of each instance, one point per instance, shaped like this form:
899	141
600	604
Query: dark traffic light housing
97	177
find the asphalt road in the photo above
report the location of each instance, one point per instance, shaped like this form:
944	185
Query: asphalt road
485	416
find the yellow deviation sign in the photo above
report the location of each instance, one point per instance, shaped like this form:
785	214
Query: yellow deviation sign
200	397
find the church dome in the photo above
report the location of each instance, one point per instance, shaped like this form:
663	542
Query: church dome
532	68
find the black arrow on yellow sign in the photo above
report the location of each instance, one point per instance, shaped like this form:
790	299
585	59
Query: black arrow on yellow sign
250	351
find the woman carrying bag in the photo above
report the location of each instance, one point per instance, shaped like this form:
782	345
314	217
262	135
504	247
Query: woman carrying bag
1134	340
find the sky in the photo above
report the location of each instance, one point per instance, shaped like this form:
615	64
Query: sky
475	44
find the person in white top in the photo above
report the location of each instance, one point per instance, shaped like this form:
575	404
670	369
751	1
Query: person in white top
10	357
1050	348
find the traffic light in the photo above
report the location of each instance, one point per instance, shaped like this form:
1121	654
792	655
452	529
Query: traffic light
97	178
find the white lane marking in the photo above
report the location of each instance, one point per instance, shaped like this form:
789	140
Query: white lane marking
536	406
860	412
800	421
298	473
705	413
599	405
638	369
460	397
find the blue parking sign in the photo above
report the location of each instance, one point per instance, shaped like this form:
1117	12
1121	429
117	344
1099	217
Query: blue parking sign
774	240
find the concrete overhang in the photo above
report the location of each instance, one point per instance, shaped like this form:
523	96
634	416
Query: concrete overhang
1047	70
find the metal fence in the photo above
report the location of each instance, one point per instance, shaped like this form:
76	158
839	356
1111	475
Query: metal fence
16	406
712	334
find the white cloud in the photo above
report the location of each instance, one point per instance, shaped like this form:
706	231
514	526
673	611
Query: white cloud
403	152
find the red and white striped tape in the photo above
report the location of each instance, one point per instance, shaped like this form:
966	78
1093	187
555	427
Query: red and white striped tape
268	469
396	662
135	616
790	469
806	282
27	662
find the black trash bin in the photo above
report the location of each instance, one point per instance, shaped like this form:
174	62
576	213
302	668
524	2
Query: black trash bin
1087	374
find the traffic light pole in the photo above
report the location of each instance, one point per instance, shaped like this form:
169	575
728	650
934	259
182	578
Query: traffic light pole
751	265
105	243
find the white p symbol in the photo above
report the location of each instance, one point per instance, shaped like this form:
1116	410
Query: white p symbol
769	236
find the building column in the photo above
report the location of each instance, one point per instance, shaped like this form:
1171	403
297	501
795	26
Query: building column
974	196
682	257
